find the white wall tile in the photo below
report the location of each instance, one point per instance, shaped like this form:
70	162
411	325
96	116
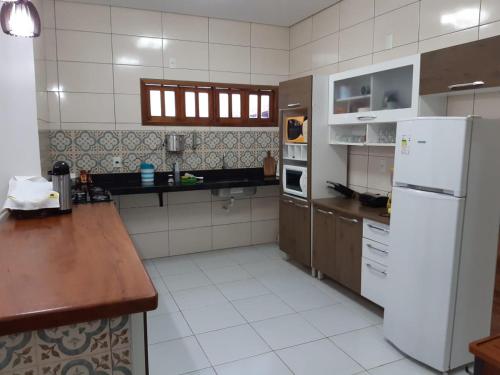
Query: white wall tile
85	77
49	40
325	51
183	27
326	22
490	11
356	41
269	36
489	30
186	74
79	107
53	104
379	173
87	126
446	16
357	172
460	105
229	58
266	79
83	17
301	33
134	50
265	208
127	77
83	46
195	196
327	69
151	245
145	219
267	191
394	53
358	150
232	235
486	105
355	11
448	40
136	22
42	106
239	212
48	16
183	54
52	79
229	32
128	108
301	59
193	215
264	231
228	77
396	28
358	62
138	200
187	241
381	151
269	61
383	6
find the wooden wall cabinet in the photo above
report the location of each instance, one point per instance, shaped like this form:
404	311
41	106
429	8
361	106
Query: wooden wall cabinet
295	230
461	67
337	239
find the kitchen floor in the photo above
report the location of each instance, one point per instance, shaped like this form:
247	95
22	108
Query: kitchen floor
249	311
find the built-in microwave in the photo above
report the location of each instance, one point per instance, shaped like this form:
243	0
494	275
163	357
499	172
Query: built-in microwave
295	180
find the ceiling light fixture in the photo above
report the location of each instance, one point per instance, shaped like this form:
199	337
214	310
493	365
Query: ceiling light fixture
20	18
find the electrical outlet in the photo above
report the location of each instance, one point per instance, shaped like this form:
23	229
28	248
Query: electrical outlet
117	162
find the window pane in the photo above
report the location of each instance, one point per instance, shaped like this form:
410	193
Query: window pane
223	105
155	103
203	104
264	106
169	103
236	105
190	104
254	106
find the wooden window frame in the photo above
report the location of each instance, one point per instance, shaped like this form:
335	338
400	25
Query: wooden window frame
213	89
272	103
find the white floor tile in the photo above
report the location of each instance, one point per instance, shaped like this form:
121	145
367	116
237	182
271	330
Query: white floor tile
166	304
370	311
285	331
212	318
231	344
319	358
247	255
271	250
175	266
266	267
176	357
243	289
262	307
212	260
159	284
226	274
307	298
166	327
285	280
265	364
367	347
150	268
186	281
336	319
405	366
207	371
198	297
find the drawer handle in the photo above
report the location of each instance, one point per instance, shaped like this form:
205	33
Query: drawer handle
324	212
377	249
366	118
463	86
376	269
289	201
354	221
301	205
293	105
377	228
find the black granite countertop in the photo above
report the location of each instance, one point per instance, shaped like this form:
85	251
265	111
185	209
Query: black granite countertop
130	183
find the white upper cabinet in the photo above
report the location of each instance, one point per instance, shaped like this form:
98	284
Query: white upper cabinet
380	93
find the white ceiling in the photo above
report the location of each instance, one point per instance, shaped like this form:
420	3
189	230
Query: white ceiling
273	12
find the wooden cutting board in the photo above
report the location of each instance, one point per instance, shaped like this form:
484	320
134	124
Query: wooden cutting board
269	165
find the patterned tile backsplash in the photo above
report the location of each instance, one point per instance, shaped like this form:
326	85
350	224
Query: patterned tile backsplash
95	149
100	347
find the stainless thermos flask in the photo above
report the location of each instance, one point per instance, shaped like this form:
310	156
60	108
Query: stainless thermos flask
61	182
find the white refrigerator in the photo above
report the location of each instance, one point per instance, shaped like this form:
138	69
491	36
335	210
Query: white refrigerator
444	234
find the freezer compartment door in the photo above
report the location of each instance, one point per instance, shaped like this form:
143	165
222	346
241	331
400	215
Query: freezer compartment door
433	152
425	252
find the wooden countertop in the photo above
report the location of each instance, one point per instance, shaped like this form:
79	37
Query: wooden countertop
353	207
70	268
488	350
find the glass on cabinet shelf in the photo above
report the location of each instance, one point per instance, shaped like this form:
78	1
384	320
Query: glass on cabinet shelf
352	95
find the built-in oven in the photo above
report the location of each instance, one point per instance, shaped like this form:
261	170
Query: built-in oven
295	180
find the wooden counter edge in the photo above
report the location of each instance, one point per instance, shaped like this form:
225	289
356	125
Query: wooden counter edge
371	216
491	357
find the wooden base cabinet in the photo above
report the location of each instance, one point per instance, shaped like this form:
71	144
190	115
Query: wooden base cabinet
295	230
337	240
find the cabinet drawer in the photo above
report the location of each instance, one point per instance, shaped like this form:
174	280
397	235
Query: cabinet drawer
375	251
376	231
373	281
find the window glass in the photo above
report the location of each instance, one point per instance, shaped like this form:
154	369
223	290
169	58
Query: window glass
169	103
223	105
254	106
264	106
203	104
236	105
190	104
155	102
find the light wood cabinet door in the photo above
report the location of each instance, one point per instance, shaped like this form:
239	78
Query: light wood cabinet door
348	251
459	67
324	254
295	230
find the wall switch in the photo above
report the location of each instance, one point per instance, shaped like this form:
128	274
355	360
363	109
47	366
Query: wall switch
389	41
172	62
117	162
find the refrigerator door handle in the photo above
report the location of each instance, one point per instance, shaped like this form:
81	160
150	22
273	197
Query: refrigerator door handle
370	266
377	228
